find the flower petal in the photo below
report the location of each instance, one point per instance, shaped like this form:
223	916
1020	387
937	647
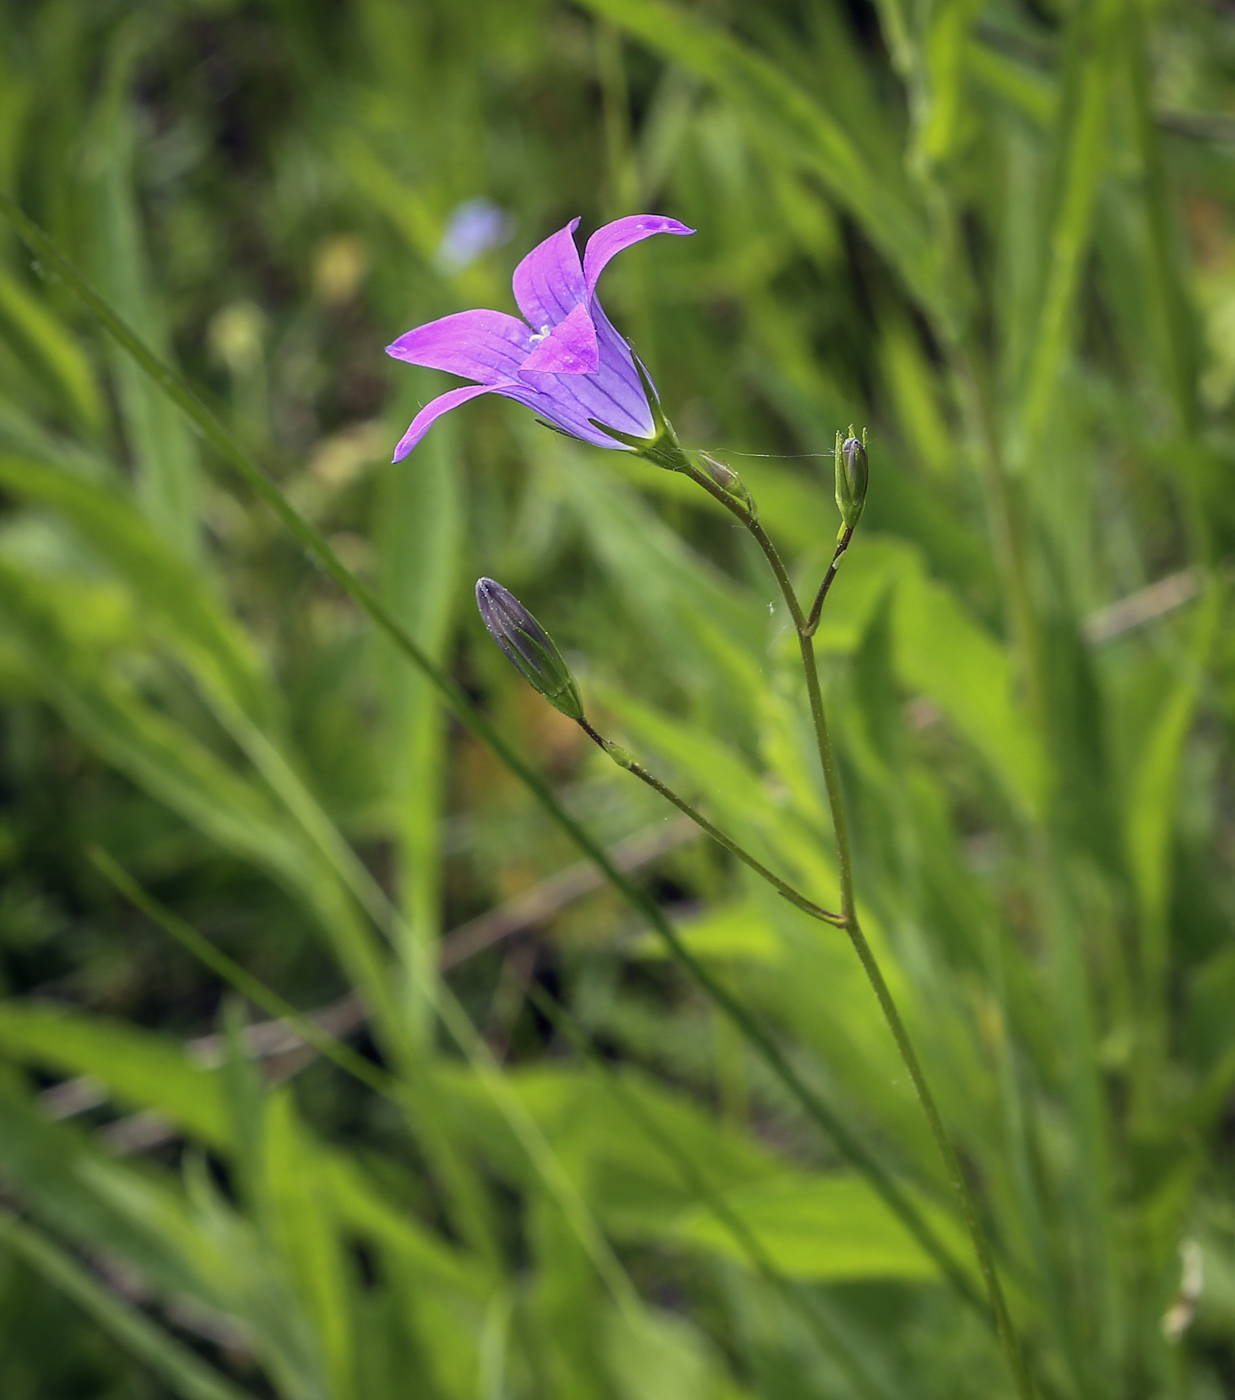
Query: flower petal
488	346
548	283
617	357
569	348
432	411
621	233
569	401
613	395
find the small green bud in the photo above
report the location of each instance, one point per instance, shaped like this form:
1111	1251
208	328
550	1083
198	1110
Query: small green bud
528	646
851	478
729	481
720	472
618	754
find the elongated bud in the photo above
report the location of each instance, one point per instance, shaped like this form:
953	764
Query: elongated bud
851	478
528	646
728	480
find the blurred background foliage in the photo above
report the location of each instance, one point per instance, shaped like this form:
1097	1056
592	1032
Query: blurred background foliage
1001	235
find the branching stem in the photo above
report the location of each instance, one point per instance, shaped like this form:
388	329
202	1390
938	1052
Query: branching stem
317	547
314	543
849	920
623	760
812	622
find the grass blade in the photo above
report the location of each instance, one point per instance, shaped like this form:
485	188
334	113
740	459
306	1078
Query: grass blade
188	1376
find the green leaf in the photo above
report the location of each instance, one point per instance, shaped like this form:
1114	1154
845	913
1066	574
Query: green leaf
660	1355
1084	119
50	626
1150	814
40	333
62	1180
140	1070
733	930
939	651
165	452
944	52
821	1227
1027	89
296	1203
420	534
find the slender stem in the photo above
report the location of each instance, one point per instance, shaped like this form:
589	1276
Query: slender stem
623	760
870	966
844	858
812	622
326	1044
896	1025
751	521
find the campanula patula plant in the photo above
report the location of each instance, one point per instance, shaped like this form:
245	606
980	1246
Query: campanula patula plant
781	949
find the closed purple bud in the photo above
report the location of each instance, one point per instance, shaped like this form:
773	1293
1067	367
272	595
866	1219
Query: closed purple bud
528	646
851	478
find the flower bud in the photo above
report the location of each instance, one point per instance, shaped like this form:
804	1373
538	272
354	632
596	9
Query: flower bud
728	480
528	646
851	478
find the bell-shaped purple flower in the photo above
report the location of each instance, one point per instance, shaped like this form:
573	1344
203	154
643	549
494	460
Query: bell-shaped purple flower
565	360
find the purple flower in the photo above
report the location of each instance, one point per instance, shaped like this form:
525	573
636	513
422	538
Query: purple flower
565	361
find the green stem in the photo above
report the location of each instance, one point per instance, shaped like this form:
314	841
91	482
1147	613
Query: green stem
255	990
812	622
623	760
844	858
900	1035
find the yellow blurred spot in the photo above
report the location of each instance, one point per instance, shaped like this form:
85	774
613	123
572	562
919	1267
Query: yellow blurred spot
339	268
339	459
236	336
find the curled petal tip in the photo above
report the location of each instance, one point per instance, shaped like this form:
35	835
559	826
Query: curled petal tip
610	240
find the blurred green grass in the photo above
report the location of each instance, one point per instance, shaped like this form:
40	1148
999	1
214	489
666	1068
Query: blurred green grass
997	233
